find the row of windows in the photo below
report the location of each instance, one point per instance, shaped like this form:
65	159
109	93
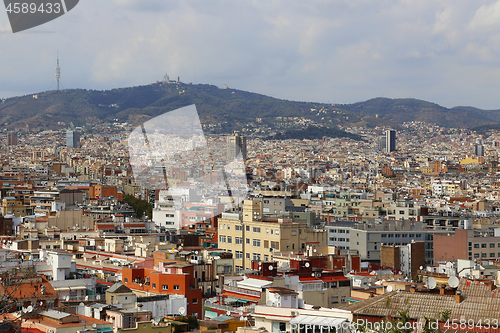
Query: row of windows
401	235
483	245
484	255
163	287
257	230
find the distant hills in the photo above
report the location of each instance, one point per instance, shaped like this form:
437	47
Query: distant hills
225	109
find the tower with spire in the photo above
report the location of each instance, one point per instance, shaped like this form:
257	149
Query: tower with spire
58	71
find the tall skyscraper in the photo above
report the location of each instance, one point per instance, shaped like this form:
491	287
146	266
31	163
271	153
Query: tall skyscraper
72	139
381	143
236	144
479	148
390	141
12	139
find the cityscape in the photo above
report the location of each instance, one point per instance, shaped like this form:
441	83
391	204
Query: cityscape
119	227
249	167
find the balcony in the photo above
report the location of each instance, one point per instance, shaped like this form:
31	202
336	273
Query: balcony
242	291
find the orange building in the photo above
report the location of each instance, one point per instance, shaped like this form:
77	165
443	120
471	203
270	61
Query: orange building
170	278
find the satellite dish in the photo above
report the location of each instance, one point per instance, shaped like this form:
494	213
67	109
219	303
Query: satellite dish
242	318
314	250
389	289
86	298
453	282
94	325
312	274
449	265
307	264
98	297
182	310
269	303
271	267
228	312
241	313
195	252
29	309
67	298
81	304
421	267
24	310
431	283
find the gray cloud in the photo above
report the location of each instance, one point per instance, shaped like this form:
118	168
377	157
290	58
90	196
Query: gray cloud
343	51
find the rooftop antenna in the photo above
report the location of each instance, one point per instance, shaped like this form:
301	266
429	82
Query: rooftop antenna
58	71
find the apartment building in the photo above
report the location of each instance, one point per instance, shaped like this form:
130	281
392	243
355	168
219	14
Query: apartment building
367	238
252	236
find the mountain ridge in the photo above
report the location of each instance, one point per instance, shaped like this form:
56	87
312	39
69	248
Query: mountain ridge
229	109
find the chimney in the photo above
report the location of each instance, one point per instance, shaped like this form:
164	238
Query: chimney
442	289
459	297
413	288
492	286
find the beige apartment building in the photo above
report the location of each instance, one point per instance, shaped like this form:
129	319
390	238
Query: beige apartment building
251	236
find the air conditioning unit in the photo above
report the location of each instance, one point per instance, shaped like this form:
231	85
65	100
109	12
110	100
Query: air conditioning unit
294	313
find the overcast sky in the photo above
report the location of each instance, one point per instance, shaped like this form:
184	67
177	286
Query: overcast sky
339	51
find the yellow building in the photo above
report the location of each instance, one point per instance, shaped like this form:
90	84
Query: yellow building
252	236
12	206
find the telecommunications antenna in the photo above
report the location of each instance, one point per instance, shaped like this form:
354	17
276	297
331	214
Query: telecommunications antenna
453	282
431	283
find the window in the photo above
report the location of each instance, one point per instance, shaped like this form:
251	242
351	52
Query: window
164	287
277	232
383	235
272	230
335	299
342	299
266	201
256	230
267	231
256	257
492	244
483	255
492	255
238	240
333	284
476	255
176	287
398	235
247	228
247	255
229	239
248	240
221	226
483	245
154	285
222	239
195	301
126	280
275	245
476	246
228	227
239	255
238	227
256	243
266	244
266	257
294	232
